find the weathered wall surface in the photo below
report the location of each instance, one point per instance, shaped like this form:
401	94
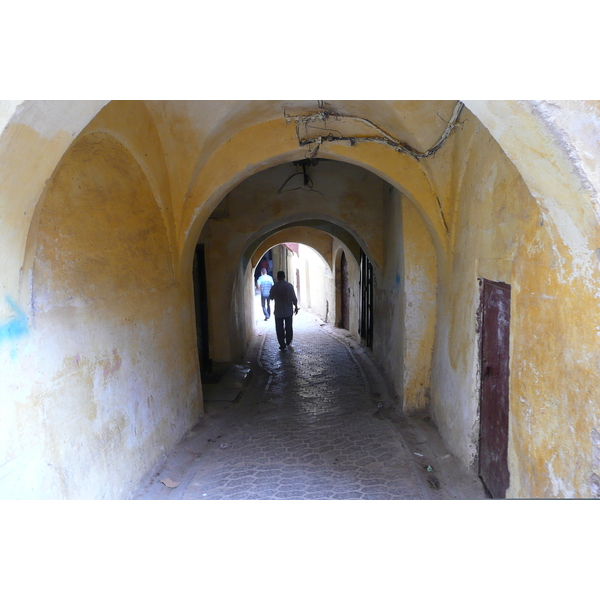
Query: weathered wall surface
555	385
242	317
132	124
113	382
388	286
317	284
493	209
420	295
34	138
405	303
502	233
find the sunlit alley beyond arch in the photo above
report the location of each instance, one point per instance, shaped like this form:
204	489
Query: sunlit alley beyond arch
453	246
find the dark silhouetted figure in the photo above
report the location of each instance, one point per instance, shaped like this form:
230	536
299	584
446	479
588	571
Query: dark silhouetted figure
285	299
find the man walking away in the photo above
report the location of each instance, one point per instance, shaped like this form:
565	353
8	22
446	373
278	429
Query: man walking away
285	297
264	283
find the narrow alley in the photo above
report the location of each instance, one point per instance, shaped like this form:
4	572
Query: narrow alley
307	423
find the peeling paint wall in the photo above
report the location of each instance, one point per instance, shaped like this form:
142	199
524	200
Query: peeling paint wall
113	384
555	385
501	232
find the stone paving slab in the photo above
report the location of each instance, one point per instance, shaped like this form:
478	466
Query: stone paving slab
313	422
314	434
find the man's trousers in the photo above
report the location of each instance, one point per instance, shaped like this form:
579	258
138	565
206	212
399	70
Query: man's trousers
265	303
284	330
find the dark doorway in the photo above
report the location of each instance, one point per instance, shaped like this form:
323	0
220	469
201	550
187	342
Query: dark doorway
201	304
494	404
344	293
365	326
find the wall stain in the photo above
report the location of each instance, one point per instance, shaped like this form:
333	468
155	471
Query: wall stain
112	365
15	328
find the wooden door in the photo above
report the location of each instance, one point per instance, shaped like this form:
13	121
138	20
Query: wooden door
365	326
494	403
201	305
345	292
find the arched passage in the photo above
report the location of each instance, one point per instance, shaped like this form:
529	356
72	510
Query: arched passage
320	277
349	209
515	202
235	232
299	230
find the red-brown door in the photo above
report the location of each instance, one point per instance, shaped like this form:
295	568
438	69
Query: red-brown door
493	440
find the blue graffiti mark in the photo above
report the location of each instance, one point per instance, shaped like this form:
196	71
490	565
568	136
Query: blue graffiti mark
14	328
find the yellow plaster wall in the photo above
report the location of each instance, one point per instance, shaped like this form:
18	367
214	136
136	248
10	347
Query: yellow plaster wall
408	176
546	144
555	386
493	208
501	232
34	137
317	284
266	144
420	295
113	381
272	143
133	125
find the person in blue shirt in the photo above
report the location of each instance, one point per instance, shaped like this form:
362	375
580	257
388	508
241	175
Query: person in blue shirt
285	299
264	283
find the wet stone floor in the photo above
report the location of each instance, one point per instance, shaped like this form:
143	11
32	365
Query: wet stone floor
312	433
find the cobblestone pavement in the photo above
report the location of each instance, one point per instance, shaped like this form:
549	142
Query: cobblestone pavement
307	427
315	438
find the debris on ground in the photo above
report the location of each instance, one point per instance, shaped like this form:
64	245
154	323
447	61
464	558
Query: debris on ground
224	446
169	482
